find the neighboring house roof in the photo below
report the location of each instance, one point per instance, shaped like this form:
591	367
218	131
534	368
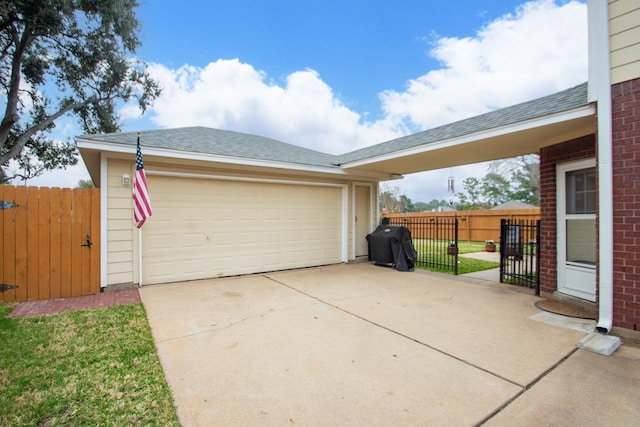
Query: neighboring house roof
514	204
551	104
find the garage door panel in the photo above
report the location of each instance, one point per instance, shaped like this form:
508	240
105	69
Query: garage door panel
160	268
162	247
272	237
209	228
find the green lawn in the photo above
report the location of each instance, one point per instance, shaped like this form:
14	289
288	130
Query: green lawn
469	265
465	265
92	367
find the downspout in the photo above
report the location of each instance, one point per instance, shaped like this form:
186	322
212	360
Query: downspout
600	91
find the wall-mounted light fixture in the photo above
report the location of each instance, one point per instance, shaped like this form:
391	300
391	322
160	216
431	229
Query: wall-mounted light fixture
126	179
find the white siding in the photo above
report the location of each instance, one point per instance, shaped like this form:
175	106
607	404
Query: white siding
624	33
120	229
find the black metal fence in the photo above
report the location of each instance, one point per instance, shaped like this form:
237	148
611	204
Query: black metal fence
520	253
434	239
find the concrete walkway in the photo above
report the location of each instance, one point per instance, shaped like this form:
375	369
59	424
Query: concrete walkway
366	345
493	274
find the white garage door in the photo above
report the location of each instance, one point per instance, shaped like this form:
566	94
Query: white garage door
203	228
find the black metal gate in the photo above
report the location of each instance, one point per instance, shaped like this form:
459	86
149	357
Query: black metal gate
435	240
520	253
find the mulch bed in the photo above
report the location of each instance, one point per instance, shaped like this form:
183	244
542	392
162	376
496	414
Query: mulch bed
558	307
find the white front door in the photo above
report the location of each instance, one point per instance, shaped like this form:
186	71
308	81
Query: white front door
576	206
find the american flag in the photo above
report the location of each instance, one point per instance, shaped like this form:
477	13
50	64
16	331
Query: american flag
141	200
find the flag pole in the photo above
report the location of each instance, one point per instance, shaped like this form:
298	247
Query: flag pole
140	257
139	242
141	204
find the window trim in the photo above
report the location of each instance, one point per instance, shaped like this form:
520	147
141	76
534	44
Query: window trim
561	210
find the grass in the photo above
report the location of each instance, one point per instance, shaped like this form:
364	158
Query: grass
465	265
469	265
522	282
92	367
466	247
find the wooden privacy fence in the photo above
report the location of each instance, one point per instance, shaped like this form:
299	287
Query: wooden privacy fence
476	226
50	244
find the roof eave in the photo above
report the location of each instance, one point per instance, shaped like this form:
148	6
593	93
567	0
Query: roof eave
89	147
581	116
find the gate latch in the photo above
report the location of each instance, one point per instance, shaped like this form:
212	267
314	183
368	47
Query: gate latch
88	241
6	287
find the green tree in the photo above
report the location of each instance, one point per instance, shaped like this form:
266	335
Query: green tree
406	204
524	173
421	206
471	197
433	205
65	57
86	183
392	201
495	189
517	179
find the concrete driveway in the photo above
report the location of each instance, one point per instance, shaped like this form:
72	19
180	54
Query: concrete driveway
360	344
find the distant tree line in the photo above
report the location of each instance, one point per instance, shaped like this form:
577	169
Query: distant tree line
516	179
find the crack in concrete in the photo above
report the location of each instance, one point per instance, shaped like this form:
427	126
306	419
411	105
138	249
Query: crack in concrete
466	362
523	388
526	388
232	324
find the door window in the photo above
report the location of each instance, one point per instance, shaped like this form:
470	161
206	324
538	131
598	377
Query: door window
580	194
581	191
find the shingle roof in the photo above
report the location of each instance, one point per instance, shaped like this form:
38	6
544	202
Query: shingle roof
513	204
236	144
562	101
220	142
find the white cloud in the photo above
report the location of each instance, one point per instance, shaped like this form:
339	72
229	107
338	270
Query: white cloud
233	95
66	178
539	49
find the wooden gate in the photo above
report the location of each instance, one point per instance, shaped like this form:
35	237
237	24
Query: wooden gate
50	243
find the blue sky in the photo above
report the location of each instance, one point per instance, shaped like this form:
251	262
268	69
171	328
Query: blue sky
359	48
335	76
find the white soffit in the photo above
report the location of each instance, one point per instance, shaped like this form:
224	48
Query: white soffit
525	137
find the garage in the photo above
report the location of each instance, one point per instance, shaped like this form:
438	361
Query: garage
224	204
213	227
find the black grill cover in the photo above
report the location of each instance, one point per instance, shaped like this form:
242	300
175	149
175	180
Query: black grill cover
391	244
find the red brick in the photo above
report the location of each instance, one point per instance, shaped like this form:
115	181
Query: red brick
635	291
626	194
103	299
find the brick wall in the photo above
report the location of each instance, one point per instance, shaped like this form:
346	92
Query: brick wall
580	148
626	200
